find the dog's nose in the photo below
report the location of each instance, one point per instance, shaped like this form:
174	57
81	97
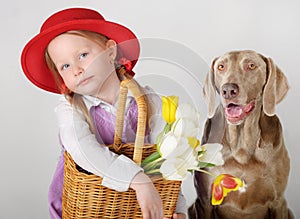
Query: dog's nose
230	90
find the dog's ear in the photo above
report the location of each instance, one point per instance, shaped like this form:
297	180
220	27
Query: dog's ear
209	90
275	89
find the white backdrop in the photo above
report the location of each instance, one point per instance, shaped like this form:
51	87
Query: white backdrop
29	143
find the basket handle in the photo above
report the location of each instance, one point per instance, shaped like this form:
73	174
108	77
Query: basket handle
138	95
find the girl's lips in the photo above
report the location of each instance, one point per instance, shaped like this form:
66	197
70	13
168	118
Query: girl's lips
236	113
84	81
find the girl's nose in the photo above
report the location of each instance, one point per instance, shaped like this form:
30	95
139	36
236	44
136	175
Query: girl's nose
78	70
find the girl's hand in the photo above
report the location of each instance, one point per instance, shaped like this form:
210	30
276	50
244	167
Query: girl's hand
177	216
147	197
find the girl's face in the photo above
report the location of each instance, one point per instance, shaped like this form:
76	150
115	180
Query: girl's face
84	65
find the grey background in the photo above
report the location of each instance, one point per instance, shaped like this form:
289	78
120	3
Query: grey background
29	143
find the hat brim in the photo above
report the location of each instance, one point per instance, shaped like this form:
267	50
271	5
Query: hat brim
33	55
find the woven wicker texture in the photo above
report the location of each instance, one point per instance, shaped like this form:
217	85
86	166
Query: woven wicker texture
83	195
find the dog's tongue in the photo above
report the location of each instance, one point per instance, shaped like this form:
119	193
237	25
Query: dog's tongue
234	111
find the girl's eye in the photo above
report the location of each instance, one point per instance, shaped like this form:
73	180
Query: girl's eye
65	66
83	55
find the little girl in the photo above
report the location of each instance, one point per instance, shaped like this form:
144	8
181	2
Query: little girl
79	54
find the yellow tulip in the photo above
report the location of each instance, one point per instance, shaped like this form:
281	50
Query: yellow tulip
169	106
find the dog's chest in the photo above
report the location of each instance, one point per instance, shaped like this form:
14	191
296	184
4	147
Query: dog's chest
242	151
243	165
241	144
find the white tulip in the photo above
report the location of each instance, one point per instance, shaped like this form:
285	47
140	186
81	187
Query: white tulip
212	154
186	110
179	161
185	127
168	145
174	169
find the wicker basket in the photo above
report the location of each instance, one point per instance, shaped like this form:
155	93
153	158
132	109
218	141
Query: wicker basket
83	194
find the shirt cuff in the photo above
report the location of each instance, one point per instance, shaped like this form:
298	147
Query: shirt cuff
181	206
121	172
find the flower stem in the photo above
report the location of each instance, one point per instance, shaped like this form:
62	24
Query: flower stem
150	158
150	172
167	127
155	164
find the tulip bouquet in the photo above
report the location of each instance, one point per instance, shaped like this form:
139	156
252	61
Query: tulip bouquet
178	145
179	150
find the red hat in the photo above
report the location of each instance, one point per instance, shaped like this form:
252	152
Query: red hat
33	61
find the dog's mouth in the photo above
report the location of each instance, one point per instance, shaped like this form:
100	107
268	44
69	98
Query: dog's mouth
237	113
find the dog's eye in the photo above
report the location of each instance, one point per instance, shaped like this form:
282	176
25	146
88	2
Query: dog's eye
251	66
221	67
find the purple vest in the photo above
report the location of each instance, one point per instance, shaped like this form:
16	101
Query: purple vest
104	124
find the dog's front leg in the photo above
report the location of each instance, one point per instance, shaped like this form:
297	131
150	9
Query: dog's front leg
202	208
280	211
